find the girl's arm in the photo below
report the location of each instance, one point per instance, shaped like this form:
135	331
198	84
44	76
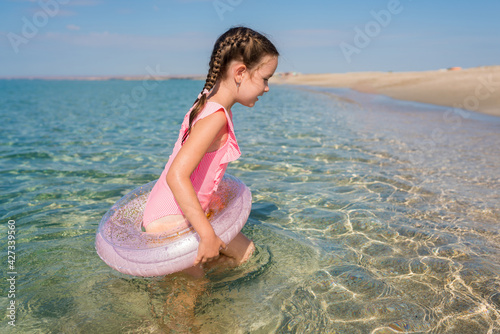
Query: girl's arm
203	134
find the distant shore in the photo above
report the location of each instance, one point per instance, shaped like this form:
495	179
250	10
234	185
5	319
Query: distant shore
476	89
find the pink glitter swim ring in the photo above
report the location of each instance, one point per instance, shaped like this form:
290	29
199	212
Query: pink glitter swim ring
121	243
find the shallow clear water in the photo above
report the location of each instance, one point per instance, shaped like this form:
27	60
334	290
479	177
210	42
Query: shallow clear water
370	215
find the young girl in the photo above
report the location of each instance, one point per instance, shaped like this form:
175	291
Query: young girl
241	64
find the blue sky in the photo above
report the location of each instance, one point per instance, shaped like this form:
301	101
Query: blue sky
175	37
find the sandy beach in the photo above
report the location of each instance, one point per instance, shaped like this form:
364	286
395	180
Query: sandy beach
476	89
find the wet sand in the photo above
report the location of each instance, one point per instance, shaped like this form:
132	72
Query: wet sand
475	89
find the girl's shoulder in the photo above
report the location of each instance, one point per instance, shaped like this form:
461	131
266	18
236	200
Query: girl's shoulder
210	108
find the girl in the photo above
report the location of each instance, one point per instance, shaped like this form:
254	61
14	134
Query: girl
241	64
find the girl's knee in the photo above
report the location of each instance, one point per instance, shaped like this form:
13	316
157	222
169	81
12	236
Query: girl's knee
240	248
250	250
194	272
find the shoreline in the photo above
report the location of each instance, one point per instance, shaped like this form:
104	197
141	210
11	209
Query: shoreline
475	89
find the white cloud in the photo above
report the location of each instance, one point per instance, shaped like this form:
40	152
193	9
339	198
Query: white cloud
72	27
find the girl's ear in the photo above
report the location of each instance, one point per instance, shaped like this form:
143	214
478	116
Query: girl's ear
239	72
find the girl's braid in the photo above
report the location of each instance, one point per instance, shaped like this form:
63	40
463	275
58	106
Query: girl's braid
216	63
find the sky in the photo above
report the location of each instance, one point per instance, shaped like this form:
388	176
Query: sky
175	37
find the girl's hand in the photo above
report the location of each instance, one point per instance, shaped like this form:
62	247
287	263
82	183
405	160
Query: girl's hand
209	249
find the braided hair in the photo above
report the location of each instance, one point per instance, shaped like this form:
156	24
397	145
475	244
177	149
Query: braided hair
238	43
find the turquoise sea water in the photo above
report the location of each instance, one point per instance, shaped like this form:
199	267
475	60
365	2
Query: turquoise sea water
369	215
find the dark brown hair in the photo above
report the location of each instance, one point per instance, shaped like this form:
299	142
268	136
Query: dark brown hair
238	43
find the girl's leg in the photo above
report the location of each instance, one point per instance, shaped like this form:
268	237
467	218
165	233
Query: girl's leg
172	223
239	249
194	271
174	302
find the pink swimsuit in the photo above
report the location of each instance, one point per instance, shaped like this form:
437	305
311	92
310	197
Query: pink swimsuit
206	176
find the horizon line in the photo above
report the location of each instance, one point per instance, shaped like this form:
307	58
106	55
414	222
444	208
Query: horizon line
192	76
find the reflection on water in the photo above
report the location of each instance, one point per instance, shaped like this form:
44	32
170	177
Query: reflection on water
369	215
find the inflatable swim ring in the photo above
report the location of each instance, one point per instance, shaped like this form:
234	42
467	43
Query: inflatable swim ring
121	243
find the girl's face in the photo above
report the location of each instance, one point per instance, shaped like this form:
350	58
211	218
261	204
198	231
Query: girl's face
255	83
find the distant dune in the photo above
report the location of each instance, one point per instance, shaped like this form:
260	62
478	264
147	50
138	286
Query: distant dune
476	89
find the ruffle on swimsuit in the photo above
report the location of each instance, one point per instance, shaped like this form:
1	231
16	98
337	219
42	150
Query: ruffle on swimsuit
205	178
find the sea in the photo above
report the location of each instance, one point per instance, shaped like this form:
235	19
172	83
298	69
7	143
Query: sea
369	215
